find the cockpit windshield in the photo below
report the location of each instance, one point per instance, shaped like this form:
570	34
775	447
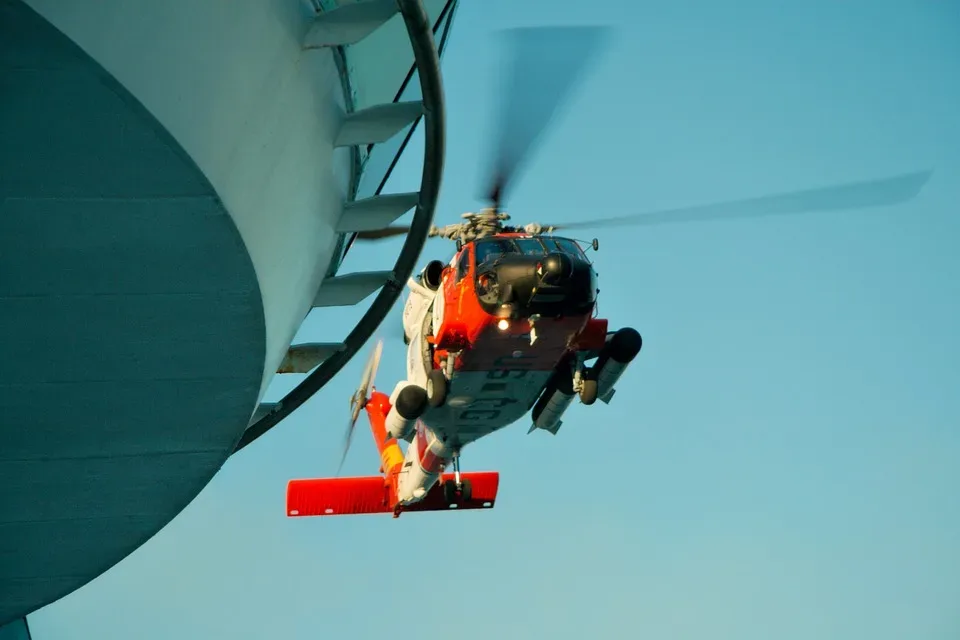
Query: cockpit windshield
490	249
565	245
530	246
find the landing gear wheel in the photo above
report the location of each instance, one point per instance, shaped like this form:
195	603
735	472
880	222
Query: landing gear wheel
436	388
454	495
457	490
588	388
450	492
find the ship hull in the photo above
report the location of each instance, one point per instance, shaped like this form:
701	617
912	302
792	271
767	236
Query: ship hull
170	192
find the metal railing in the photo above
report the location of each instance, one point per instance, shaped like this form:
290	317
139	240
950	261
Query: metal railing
427	59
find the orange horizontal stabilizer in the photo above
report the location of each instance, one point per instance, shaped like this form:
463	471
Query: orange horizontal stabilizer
338	496
371	494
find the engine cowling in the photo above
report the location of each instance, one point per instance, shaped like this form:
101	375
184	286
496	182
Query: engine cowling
431	275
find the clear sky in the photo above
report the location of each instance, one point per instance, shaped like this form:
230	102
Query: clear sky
782	460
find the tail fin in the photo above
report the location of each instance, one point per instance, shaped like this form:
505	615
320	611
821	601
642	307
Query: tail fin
371	494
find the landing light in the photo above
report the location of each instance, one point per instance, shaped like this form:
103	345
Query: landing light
503	325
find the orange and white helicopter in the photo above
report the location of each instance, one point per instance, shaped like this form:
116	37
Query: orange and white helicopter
508	326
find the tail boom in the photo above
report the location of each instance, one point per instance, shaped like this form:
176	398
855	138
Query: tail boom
379	494
391	457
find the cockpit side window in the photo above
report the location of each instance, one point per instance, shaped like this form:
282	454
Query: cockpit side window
463	265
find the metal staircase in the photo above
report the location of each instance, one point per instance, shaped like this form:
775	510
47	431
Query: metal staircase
345	25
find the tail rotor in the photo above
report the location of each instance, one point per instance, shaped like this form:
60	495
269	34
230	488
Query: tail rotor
359	398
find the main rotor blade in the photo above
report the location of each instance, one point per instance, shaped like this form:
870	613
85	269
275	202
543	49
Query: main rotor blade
544	63
382	234
855	195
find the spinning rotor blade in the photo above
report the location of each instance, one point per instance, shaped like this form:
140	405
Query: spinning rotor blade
544	64
359	399
854	195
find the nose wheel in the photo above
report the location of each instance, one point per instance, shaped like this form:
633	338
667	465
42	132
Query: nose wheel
457	490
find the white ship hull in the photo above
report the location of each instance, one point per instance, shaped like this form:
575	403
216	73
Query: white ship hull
172	186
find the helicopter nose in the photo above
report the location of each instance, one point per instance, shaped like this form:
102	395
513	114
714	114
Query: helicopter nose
549	285
556	268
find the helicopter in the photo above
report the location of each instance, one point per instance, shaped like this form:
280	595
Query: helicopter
507	328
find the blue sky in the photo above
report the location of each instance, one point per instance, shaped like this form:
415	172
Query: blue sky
781	461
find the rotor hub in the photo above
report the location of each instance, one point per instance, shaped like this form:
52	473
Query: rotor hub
484	224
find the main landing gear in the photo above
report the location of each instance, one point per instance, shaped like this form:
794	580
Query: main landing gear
621	348
588	386
436	388
456	490
585	382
